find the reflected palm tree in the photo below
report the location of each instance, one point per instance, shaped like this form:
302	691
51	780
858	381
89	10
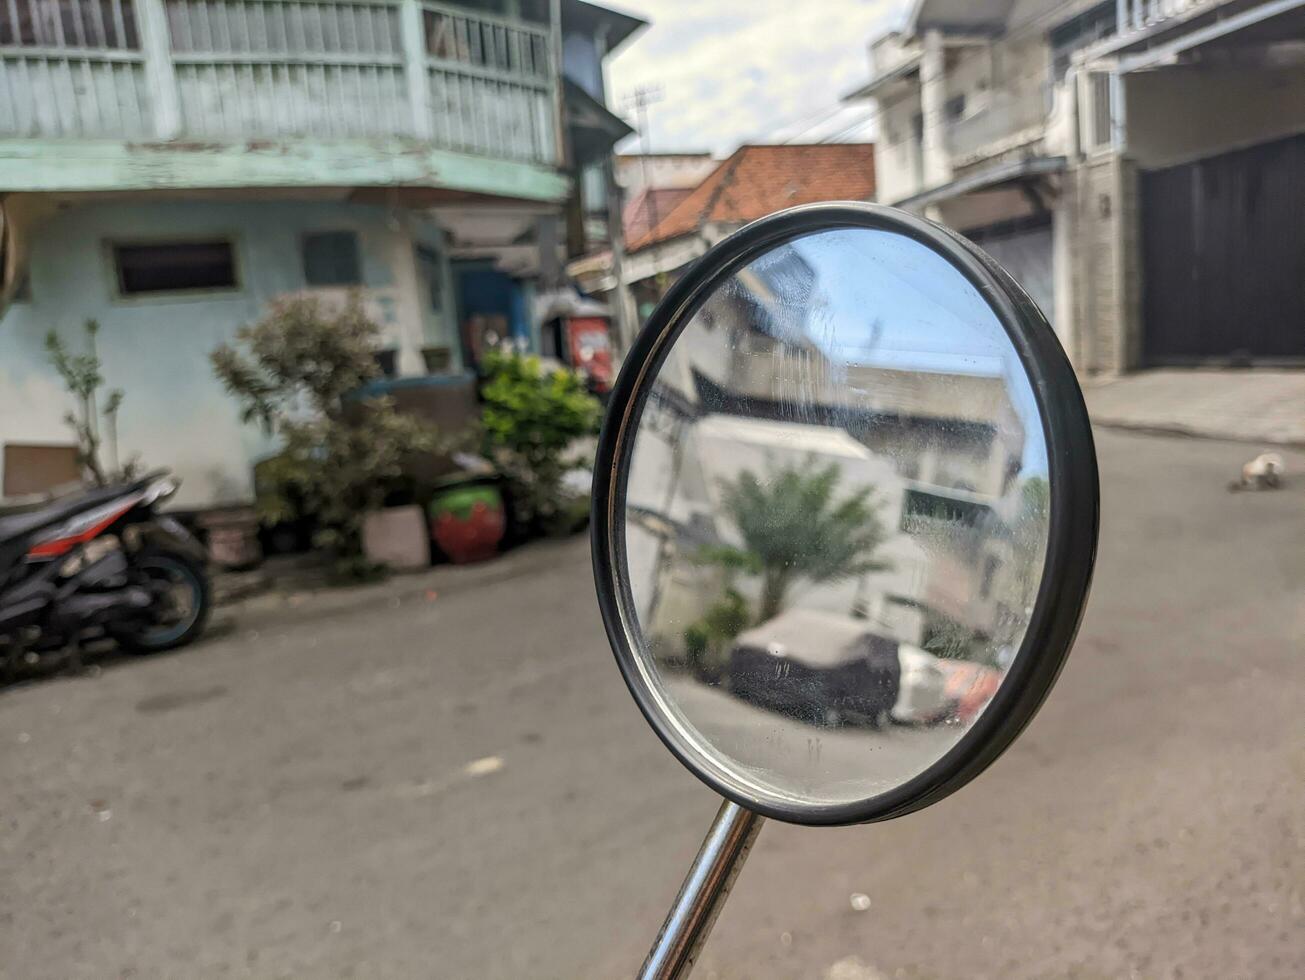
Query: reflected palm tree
793	528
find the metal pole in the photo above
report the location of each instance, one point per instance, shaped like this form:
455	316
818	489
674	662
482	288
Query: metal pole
703	893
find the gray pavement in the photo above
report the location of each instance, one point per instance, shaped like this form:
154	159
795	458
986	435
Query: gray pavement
444	777
1252	405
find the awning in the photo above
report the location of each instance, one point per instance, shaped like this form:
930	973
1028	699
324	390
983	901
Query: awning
988	178
594	130
591	19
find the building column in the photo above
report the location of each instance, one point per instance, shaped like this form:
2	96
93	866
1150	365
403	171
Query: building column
412	35
1062	270
160	75
933	109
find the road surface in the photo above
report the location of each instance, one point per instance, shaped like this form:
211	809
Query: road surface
444	777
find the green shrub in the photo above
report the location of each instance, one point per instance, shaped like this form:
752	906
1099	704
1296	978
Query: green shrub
727	617
532	420
697	640
707	642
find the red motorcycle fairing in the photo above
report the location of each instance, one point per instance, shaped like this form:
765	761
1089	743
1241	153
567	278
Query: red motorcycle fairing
88	524
80	529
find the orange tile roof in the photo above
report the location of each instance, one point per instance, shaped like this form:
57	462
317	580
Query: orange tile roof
758	180
649	204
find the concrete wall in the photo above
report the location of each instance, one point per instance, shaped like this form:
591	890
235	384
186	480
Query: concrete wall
899	167
156	348
684	170
1005	85
1101	203
1175	115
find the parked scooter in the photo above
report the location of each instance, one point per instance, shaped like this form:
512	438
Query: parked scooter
100	564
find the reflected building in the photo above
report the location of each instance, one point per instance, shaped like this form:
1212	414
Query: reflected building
754	385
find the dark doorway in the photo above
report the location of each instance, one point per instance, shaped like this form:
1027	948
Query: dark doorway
1223	253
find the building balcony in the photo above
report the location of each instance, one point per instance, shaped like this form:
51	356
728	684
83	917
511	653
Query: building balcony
122	94
1007	121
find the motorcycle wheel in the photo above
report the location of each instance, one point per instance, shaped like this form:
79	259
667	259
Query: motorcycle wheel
189	587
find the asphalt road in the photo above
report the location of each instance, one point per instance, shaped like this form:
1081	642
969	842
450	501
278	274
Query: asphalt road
399	783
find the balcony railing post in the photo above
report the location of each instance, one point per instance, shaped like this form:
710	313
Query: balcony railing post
555	79
160	75
412	33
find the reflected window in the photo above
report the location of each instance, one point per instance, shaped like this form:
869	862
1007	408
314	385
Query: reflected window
921	508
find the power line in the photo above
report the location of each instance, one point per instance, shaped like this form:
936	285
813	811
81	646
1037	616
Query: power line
823	111
823	117
873	117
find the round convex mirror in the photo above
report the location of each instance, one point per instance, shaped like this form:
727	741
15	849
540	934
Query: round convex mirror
846	514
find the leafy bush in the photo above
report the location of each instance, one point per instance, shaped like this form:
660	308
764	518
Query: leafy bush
341	457
697	640
707	641
727	617
531	421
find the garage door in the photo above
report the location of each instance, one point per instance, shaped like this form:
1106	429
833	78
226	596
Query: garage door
1223	257
1024	250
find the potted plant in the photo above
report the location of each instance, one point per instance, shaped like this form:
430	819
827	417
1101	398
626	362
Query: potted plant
467	521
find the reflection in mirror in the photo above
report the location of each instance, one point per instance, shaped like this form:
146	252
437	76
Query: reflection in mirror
836	516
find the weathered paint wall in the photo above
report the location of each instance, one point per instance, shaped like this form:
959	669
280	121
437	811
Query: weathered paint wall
899	167
156	348
82	165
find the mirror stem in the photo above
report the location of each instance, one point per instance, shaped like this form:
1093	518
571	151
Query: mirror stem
703	893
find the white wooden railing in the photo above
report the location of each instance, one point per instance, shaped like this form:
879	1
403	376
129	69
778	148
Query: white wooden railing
268	69
489	84
71	68
1140	15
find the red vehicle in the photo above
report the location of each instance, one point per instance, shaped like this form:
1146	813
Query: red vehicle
969	687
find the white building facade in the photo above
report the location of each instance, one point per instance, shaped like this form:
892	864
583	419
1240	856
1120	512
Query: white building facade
169	168
1064	136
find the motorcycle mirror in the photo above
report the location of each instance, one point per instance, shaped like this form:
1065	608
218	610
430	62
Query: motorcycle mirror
844	523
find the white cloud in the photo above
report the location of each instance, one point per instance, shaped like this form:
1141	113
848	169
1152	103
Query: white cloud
733	71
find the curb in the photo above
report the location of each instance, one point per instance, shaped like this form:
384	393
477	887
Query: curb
1175	429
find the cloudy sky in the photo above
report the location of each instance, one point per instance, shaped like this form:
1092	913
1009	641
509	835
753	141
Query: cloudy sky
732	71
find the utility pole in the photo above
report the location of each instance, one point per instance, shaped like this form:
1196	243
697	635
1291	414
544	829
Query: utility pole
643	97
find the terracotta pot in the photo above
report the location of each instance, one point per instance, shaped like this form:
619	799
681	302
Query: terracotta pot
468	523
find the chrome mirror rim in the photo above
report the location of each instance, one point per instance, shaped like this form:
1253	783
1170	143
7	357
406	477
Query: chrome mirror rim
1072	532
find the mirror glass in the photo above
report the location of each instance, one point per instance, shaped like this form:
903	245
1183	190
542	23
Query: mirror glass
835	518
